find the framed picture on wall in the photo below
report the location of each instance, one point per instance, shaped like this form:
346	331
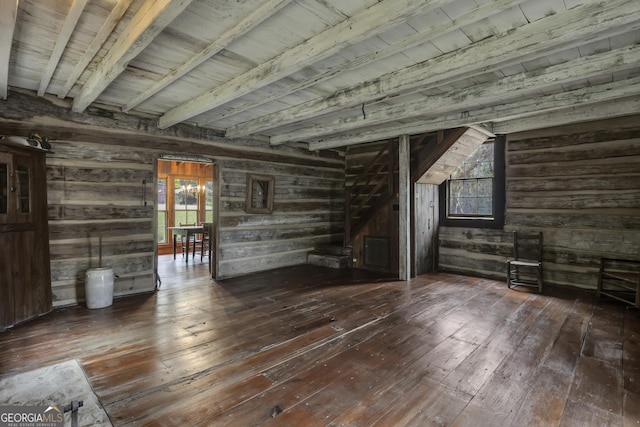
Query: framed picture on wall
259	197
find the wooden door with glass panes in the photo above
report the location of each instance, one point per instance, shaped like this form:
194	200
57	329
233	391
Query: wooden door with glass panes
25	271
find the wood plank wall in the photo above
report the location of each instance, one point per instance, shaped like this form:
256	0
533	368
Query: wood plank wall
424	228
308	209
579	185
95	173
96	190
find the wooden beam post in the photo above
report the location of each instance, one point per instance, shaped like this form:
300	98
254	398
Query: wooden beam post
404	243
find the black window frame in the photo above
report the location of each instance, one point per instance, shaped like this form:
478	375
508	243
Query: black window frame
496	221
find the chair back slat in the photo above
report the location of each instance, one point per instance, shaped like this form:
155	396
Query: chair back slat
527	246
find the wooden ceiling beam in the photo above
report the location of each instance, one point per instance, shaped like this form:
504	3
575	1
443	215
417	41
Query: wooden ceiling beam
69	25
575	114
376	19
517	85
479	13
8	16
259	15
546	36
109	24
509	111
151	20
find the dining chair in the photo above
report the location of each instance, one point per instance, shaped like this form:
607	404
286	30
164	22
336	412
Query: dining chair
525	269
192	239
205	241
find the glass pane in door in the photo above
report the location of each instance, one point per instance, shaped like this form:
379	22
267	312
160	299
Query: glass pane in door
24	196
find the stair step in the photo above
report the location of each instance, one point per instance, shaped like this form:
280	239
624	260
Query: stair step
333	249
328	260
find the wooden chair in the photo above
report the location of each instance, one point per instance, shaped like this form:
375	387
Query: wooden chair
525	269
193	239
205	241
620	279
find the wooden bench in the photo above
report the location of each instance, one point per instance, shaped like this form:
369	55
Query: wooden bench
620	279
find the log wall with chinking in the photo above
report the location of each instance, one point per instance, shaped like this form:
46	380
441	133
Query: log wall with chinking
308	209
95	192
579	185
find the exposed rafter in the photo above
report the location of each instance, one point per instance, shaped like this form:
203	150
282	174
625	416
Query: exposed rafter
109	24
474	15
374	20
252	20
63	38
8	15
575	114
545	36
509	111
517	85
323	74
150	21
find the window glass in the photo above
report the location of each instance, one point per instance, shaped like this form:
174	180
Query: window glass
186	201
162	210
208	197
470	187
24	197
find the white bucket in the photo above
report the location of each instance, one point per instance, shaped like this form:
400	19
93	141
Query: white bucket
98	287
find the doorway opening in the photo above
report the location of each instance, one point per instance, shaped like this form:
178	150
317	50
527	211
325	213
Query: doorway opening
186	198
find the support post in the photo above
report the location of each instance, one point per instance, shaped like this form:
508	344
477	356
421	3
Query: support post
404	215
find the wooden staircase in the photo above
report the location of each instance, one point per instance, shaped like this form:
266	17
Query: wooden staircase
373	189
372	183
434	156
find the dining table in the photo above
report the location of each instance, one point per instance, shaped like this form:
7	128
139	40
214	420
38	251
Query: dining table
188	231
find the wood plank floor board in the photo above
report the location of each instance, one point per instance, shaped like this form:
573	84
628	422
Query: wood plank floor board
522	364
427	404
631	354
631	409
301	376
477	368
605	338
580	414
311	346
378	367
496	403
545	402
599	384
564	354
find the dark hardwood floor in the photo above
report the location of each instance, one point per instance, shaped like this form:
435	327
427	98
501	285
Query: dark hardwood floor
309	346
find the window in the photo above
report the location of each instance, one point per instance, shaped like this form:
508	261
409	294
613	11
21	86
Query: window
471	185
473	196
186	201
208	201
162	210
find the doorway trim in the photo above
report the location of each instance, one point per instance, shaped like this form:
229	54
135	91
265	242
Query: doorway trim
214	237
